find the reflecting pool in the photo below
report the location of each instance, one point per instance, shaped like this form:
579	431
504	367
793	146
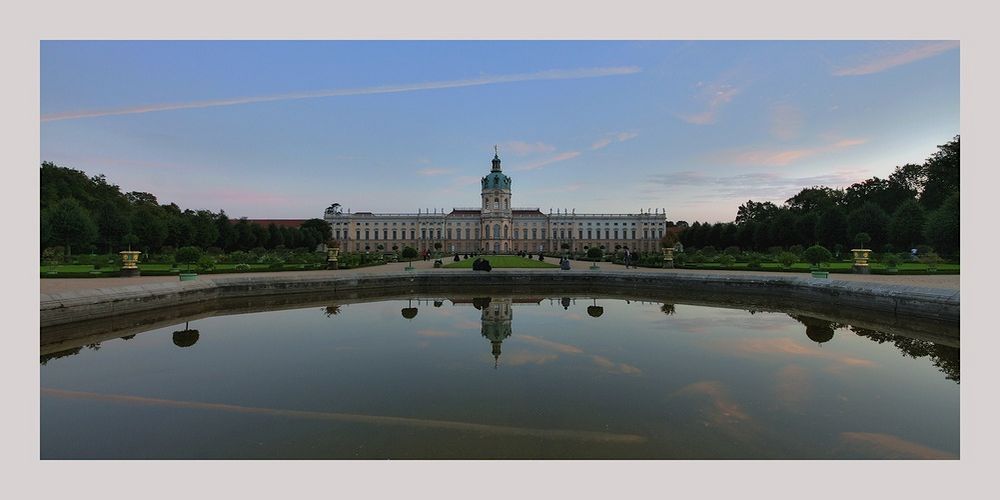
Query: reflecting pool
503	377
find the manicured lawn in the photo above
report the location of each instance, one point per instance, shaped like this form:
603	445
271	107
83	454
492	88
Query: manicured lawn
501	261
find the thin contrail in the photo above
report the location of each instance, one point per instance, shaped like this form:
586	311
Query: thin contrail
556	74
605	437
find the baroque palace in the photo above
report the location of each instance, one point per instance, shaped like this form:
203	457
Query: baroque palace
495	226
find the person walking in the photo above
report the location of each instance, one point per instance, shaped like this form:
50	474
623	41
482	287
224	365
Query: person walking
628	257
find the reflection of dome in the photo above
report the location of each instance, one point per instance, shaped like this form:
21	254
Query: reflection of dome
437	303
565	302
185	338
817	330
818	333
595	311
409	312
481	302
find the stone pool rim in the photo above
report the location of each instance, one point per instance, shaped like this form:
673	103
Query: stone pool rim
914	303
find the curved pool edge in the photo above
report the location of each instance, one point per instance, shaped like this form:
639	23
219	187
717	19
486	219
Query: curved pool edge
913	303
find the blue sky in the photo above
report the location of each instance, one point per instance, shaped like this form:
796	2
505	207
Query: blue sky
274	129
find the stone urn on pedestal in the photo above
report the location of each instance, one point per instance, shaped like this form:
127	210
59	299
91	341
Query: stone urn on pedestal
861	260
130	263
861	254
667	242
332	256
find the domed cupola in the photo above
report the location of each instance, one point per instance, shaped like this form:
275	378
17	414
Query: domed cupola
496	179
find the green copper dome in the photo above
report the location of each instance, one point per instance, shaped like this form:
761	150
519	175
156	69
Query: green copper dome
496	179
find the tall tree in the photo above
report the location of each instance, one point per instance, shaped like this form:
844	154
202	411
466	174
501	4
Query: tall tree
831	228
871	219
942	175
323	227
754	211
907	225
942	228
814	199
71	225
149	225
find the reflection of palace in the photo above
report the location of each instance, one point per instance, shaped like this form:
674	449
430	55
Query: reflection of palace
496	226
496	315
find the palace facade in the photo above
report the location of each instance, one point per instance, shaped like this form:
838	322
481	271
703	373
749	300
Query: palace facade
495	226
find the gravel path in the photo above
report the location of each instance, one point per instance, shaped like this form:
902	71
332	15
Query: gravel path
56	285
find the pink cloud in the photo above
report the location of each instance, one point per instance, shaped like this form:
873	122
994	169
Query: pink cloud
782	157
244	196
521	148
556	74
715	96
612	138
883	61
569	155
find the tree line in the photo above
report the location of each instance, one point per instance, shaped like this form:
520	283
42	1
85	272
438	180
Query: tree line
916	205
88	214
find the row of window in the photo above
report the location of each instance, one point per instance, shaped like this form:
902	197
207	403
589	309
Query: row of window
518	234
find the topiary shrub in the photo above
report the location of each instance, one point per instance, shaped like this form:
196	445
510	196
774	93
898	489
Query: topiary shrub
726	260
188	256
242	267
817	255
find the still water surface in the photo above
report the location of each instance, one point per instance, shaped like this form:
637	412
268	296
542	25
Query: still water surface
503	378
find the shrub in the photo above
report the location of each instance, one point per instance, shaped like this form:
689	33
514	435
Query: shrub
796	249
206	263
891	260
732	250
213	251
727	260
817	255
709	252
188	255
754	260
698	258
786	259
595	253
409	253
931	259
242	267
680	259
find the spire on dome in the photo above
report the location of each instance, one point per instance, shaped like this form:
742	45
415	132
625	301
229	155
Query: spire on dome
496	158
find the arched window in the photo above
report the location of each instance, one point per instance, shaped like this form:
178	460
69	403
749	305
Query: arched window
506	203
496	231
505	232
496	203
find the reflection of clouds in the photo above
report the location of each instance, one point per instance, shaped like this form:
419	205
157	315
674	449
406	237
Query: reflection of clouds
601	361
527	357
703	325
555	346
792	385
611	366
754	347
469	325
724	410
887	446
435	333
